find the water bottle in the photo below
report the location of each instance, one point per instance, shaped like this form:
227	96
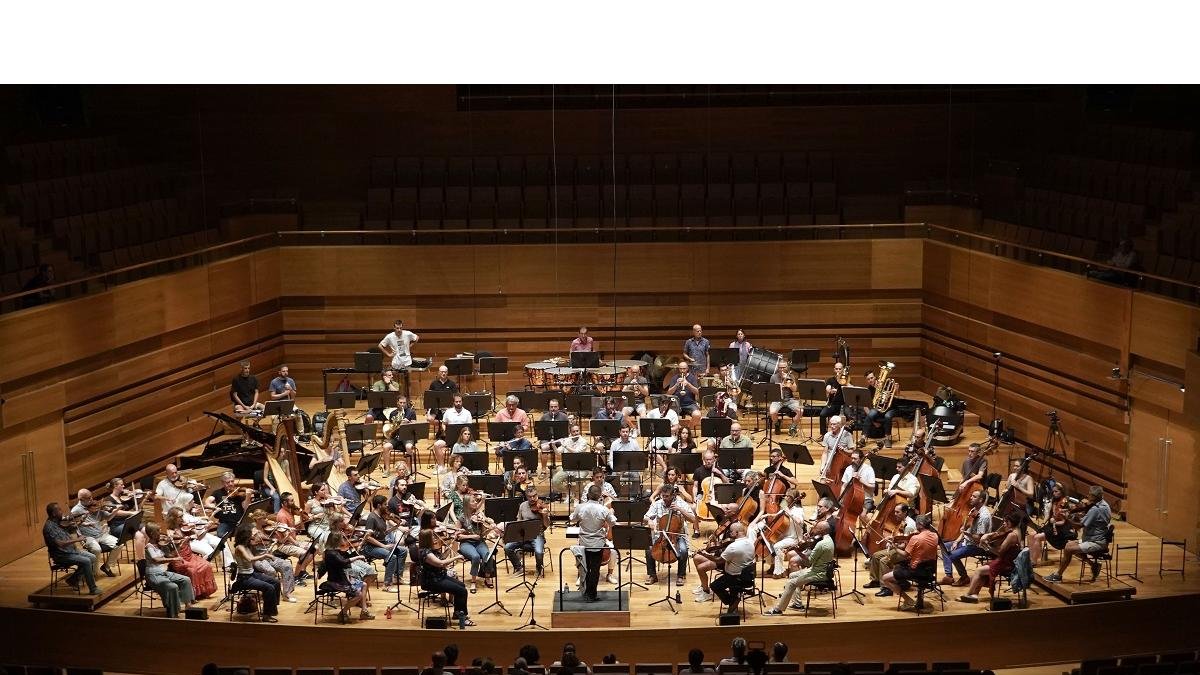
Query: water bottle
388	614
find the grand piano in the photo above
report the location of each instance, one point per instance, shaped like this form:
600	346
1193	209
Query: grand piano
242	459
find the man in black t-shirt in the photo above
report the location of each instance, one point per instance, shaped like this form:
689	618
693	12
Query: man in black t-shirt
833	389
440	383
378	543
243	391
230	502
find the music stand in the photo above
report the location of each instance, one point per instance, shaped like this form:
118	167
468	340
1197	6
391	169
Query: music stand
767	393
585	360
357	513
885	467
584	462
858	546
630	461
502	431
368	462
579	404
685	463
801	358
606	428
810	390
518	532
724	356
477	461
417	490
529	459
363	433
931	486
735	458
487	483
491	365
480	405
437	399
796	453
549	430
727	493
411	432
630	537
340	400
463	365
824	491
280	407
653	428
454	431
368	362
382	399
318	472
715	427
855	399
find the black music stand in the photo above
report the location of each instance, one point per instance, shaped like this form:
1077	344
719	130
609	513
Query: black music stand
318	472
931	486
767	393
727	493
478	461
519	532
411	432
454	431
340	400
796	453
606	429
357	513
858	547
810	390
724	356
715	427
885	467
588	361
855	399
382	399
487	483
368	462
577	461
578	404
735	458
653	428
480	405
280	407
491	365
502	431
362	433
550	430
685	463
824	491
368	362
529	459
629	538
462	366
801	358
438	399
531	400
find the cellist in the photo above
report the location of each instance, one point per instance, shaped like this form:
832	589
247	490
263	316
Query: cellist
837	440
793	511
883	560
669	508
746	508
777	480
862	472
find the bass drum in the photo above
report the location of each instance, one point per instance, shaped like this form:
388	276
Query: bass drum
761	365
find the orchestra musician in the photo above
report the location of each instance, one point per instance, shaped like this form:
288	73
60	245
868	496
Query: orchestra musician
974	468
92	522
819	557
379	543
1093	534
282	387
518	480
512	413
917	444
440	383
285	545
474	528
686	388
833	390
553	413
435	562
185	540
904	483
664	411
174	589
348	490
879	424
695	351
836	439
1058	530
977	524
683	443
783	377
751	491
403	414
386	382
1022	486
793	510
670	478
456	414
124	503
518	443
229	502
450	477
737	563
668	502
401	504
172	491
263	541
708	469
607	492
243	392
322	507
595	523
622	444
636	390
531	509
735	439
725	403
743	346
862	472
339	564
583	342
1005	556
918	559
268	486
250	579
61	545
827	510
609	412
359	567
886	558
465	443
776	467
573	443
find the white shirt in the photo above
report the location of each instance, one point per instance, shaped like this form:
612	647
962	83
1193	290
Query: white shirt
401	358
797	514
909	526
622	446
908	483
866	475
452	416
738	555
591	517
168	491
663	442
574	444
659	509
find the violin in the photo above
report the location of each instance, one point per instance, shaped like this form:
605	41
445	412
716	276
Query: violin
187	484
367	485
334	500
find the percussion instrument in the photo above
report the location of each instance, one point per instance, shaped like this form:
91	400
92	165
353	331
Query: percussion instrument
626	363
563	379
536	372
608	378
420	364
761	365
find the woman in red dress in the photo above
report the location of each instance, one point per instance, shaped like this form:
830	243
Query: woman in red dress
190	565
1002	565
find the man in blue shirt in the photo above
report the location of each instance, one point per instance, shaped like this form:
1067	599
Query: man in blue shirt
695	349
686	388
282	387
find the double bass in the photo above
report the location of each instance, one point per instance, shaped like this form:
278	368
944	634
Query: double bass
955	513
850	503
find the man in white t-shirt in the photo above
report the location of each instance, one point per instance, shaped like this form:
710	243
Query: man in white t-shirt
395	345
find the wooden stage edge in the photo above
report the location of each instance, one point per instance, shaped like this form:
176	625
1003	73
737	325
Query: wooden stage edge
988	640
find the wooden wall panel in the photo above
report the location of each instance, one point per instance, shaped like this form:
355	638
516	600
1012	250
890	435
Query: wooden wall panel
1163	331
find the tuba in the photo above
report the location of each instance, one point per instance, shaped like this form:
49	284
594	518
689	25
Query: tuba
885	387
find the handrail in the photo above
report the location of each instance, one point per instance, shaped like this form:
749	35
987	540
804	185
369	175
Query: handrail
254	242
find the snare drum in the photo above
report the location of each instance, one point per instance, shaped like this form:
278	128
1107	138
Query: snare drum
608	378
563	379
536	372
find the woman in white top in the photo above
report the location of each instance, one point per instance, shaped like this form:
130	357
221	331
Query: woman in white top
174	589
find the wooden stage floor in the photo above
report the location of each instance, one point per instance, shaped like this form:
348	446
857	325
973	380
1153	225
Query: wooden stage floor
20	578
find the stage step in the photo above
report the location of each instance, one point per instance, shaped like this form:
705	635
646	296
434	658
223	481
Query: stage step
1075	593
65	598
571	611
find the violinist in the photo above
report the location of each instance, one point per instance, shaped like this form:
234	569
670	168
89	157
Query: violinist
885	559
289	512
655	518
793	510
400	505
174	589
863	473
171	491
458	499
977	524
349	489
474	528
519	481
1093	533
1058	530
917	560
61	546
435	562
819	559
595	523
837	439
191	546
1006	555
230	501
321	509
263	541
575	442
833	392
93	525
531	509
1019	487
450	476
250	579
123	503
359	567
287	546
339	563
827	510
380	543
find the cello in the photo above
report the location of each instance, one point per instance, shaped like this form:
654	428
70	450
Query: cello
664	549
776	527
955	514
877	530
837	464
850	503
703	511
772	493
